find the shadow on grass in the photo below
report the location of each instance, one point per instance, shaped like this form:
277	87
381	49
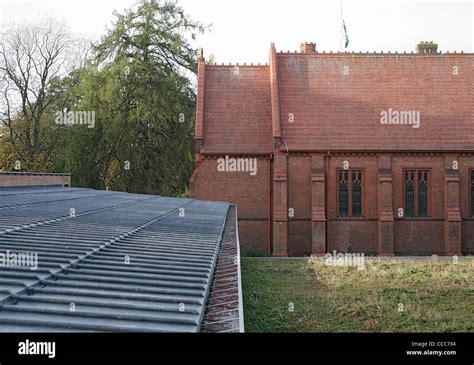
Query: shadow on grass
388	296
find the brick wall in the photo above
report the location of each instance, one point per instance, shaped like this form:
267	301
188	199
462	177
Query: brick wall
251	194
467	239
305	189
352	235
466	163
299	237
33	179
419	237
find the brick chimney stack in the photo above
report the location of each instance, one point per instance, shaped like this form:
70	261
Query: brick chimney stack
426	48
308	47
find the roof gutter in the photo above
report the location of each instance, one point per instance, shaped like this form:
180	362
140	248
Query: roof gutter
213	270
239	279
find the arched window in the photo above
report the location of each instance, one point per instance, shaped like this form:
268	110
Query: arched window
356	193
349	191
423	193
343	184
416	193
472	193
409	193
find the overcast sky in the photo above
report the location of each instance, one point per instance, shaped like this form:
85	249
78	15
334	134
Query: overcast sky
242	31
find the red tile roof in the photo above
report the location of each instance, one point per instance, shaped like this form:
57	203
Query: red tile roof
336	111
237	110
333	111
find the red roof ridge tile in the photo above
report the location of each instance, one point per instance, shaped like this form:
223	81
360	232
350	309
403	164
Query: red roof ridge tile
375	53
251	65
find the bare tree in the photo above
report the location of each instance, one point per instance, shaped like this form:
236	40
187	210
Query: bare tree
31	54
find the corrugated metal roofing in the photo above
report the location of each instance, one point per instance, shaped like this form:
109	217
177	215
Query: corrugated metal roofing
107	261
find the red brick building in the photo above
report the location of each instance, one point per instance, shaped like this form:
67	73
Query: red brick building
354	152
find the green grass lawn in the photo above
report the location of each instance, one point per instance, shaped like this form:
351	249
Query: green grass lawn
387	296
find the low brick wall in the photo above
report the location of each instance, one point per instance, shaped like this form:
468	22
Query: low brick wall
34	179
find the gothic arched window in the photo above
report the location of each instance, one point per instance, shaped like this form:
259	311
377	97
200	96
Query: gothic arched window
472	193
343	185
349	193
356	193
423	193
409	193
416	193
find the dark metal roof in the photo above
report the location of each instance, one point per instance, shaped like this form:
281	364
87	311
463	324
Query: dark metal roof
107	261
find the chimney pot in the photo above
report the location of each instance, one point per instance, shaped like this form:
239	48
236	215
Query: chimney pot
427	47
308	47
